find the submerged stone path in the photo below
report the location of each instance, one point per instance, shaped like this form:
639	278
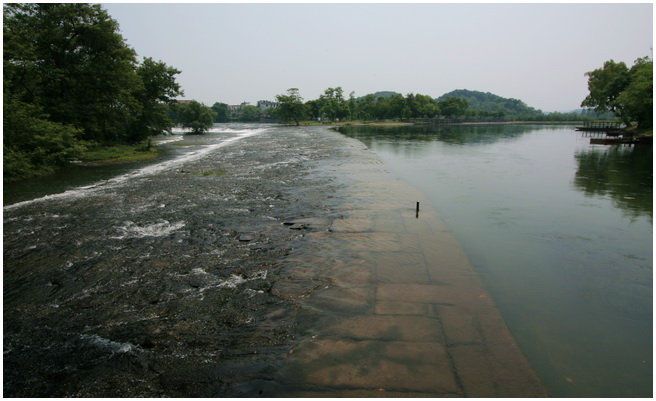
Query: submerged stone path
188	284
398	309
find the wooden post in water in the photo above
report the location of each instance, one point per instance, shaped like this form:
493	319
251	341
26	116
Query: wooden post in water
417	212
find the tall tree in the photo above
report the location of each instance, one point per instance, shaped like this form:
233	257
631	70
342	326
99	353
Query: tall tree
157	89
290	107
249	113
605	85
80	69
221	112
637	98
332	104
196	116
626	93
70	76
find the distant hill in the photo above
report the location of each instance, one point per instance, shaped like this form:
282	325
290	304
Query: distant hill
489	104
383	94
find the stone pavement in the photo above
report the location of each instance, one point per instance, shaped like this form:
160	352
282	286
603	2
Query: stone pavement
398	309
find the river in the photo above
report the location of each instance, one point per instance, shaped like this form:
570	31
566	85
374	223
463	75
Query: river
560	232
270	260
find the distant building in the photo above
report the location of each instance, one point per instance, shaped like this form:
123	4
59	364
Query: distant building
235	108
266	104
183	101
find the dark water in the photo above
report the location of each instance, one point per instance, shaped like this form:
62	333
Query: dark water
561	233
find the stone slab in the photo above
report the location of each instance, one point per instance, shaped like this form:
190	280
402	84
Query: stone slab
377	365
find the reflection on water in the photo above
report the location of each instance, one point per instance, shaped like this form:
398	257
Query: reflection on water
623	173
448	134
559	230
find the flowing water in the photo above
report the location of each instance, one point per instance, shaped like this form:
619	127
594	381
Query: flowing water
560	232
174	150
270	260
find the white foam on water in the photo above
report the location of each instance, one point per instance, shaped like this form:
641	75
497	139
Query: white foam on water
148	170
113	346
213	130
161	229
234	280
173	138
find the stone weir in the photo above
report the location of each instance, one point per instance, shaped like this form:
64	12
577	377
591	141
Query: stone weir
397	309
286	263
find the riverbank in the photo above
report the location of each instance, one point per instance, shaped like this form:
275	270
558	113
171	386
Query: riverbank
381	123
101	155
251	281
401	123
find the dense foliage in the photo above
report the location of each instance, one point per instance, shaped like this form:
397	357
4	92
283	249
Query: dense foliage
626	92
459	105
221	112
290	107
69	80
489	105
193	115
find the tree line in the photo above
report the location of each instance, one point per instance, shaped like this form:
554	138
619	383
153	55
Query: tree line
459	105
71	82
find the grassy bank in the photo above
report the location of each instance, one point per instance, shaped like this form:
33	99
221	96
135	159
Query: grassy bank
99	155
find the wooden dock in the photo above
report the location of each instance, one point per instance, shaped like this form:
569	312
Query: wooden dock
601	126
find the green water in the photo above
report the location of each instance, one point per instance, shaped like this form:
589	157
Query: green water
561	234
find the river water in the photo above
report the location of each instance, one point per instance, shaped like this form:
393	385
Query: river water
560	232
198	273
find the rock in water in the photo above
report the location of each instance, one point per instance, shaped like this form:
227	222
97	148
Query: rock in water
246	237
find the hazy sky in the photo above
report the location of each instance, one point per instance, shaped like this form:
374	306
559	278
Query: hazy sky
245	52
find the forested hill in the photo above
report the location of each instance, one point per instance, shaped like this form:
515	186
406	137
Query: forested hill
383	94
489	104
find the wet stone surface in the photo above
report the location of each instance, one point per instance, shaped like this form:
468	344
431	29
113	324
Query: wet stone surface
161	285
300	270
399	310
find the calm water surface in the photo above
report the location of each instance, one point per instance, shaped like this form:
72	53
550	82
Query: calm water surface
561	233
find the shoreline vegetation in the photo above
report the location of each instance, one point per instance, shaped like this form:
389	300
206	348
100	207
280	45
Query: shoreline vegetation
102	155
49	124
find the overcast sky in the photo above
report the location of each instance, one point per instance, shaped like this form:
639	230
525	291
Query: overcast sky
246	52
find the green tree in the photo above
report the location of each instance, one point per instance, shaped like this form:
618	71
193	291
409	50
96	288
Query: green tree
33	145
452	107
605	85
626	93
71	60
313	108
364	107
394	106
249	113
156	92
290	106
332	104
352	106
636	99
221	112
196	116
69	76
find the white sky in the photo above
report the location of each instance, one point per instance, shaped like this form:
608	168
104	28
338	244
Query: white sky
246	52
